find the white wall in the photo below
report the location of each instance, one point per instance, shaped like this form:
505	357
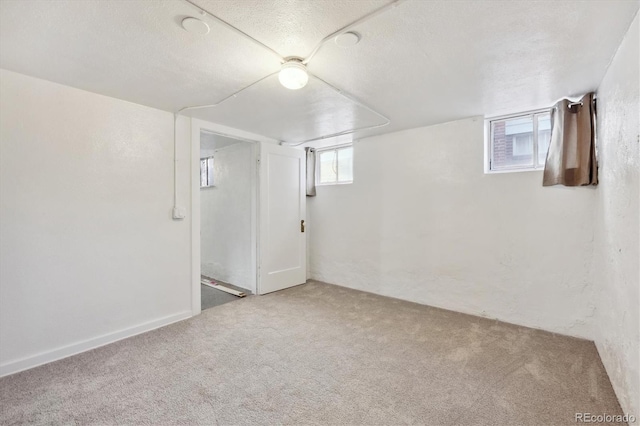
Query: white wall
423	222
617	236
89	251
226	210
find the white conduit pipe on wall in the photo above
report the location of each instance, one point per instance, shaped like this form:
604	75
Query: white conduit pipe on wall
175	166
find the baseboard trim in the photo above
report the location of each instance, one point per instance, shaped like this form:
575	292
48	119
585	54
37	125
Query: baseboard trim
29	362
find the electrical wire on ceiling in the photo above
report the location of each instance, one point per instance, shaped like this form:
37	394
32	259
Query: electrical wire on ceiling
385	122
347	27
236	30
287	63
345	95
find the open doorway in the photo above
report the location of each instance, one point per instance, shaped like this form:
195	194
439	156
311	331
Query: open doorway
228	194
277	211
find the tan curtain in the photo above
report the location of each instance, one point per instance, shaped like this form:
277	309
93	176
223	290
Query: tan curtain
571	160
311	172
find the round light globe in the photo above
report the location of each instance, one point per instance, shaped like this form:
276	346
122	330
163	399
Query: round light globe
293	75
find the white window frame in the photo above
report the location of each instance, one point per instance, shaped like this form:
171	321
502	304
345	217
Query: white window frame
488	142
332	148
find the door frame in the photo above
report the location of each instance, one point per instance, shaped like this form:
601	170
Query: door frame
198	125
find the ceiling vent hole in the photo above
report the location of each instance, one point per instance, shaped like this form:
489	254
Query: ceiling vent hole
195	26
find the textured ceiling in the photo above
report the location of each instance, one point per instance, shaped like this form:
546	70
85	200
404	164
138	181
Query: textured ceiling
420	63
290	27
431	61
291	115
133	50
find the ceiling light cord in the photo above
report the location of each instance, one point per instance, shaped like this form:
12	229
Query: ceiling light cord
335	135
237	30
175	133
233	95
386	122
342	93
283	60
349	26
315	50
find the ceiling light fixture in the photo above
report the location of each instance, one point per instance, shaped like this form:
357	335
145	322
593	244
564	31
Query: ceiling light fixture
293	74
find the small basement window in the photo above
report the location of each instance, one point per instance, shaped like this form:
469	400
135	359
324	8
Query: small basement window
335	165
206	172
518	142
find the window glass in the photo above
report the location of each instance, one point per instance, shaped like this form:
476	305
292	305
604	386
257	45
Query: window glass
328	169
512	144
206	172
203	172
335	165
544	137
522	144
519	143
345	164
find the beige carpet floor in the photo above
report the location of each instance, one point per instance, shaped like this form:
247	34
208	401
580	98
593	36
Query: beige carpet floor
320	354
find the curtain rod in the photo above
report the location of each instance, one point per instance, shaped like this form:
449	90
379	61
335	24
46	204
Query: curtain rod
572	104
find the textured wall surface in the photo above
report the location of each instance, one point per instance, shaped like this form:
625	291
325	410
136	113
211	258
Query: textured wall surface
422	222
226	217
89	250
617	236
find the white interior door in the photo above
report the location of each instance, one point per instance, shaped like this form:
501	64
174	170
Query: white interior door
283	246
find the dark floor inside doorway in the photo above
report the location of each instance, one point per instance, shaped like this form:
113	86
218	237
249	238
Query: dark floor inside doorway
210	297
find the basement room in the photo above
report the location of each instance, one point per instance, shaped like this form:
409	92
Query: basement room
331	212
